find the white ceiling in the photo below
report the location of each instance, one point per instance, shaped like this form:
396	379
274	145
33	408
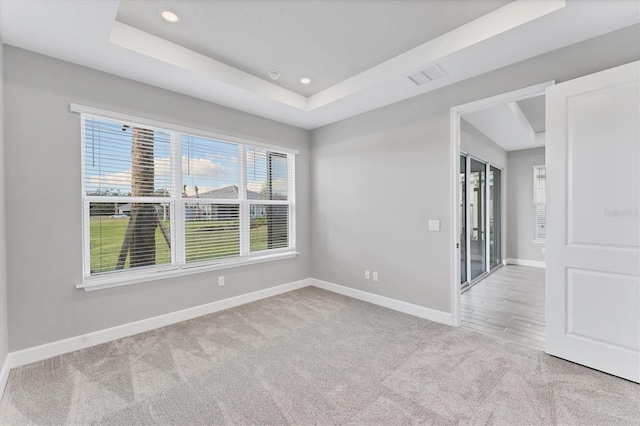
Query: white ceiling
509	126
362	51
327	41
534	110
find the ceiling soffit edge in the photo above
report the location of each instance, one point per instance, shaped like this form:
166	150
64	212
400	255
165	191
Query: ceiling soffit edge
490	25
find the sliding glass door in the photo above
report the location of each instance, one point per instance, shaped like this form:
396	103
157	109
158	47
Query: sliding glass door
480	219
477	179
463	219
495	218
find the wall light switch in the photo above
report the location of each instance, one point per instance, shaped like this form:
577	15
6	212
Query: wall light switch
434	225
221	280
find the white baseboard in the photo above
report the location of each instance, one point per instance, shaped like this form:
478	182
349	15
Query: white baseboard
525	262
4	375
396	305
48	350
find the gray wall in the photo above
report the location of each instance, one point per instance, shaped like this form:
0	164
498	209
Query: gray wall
378	177
473	142
3	265
43	204
520	214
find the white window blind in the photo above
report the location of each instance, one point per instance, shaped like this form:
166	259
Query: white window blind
211	198
160	199
539	202
268	189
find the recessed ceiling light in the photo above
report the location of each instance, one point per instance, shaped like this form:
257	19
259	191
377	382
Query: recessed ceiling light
169	16
305	80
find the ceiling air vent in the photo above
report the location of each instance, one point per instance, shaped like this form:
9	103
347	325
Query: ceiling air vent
433	72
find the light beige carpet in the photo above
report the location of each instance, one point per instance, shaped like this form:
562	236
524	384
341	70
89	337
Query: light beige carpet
314	357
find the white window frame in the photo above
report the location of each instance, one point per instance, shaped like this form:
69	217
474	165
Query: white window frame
536	203
178	265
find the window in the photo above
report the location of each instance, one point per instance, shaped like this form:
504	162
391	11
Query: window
160	199
539	203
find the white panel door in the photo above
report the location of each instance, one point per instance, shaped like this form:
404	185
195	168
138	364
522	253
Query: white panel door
593	221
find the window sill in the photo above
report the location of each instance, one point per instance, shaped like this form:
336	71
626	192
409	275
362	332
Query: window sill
100	283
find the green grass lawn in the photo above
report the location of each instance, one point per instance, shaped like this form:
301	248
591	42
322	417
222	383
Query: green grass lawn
205	240
107	236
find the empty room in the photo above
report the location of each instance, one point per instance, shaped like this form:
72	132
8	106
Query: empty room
320	212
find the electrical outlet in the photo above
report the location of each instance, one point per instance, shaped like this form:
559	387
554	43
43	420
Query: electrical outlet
221	280
367	275
375	276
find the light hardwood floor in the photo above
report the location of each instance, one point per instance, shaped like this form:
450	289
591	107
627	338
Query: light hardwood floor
508	303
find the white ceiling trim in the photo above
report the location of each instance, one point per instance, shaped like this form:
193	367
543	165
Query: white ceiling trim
522	120
490	25
501	120
158	48
506	125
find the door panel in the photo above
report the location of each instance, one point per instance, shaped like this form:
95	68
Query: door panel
593	221
604	164
589	301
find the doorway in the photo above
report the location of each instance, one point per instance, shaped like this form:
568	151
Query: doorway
478	188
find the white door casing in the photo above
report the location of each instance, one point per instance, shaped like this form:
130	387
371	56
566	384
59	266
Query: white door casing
593	221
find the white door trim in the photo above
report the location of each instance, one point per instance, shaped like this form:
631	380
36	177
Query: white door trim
454	126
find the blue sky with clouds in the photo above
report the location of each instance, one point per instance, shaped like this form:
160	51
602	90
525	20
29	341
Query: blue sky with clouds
206	163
